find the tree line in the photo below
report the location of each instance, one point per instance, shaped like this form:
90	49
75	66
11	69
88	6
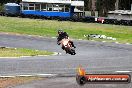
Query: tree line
9	1
102	6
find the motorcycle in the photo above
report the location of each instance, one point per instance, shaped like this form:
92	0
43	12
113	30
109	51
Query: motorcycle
67	46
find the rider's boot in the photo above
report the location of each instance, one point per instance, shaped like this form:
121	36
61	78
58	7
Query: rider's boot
63	47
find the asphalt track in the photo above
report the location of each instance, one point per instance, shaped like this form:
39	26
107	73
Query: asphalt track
95	57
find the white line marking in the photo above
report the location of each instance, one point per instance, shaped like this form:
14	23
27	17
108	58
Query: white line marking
103	41
40	75
53	37
46	74
80	39
40	36
7	76
29	35
6	33
42	55
9	57
117	42
24	56
24	75
123	71
55	53
128	43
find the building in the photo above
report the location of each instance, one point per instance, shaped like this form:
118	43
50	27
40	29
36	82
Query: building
53	8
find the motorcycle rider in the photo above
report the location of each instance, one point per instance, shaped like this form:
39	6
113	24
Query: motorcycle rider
62	35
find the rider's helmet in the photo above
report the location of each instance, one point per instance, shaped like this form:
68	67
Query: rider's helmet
60	31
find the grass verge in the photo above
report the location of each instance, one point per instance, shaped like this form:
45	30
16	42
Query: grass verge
8	82
17	52
76	30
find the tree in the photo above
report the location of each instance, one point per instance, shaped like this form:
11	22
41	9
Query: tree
93	7
86	4
125	4
103	6
8	1
117	5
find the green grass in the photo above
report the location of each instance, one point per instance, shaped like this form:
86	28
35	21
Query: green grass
76	30
17	52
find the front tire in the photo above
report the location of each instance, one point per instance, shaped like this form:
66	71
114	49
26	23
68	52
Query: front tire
73	52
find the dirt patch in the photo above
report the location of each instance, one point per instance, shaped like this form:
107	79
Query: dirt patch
6	82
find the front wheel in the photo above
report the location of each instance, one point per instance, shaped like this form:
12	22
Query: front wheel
73	52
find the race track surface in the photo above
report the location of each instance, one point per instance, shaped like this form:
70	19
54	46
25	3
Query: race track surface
95	57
